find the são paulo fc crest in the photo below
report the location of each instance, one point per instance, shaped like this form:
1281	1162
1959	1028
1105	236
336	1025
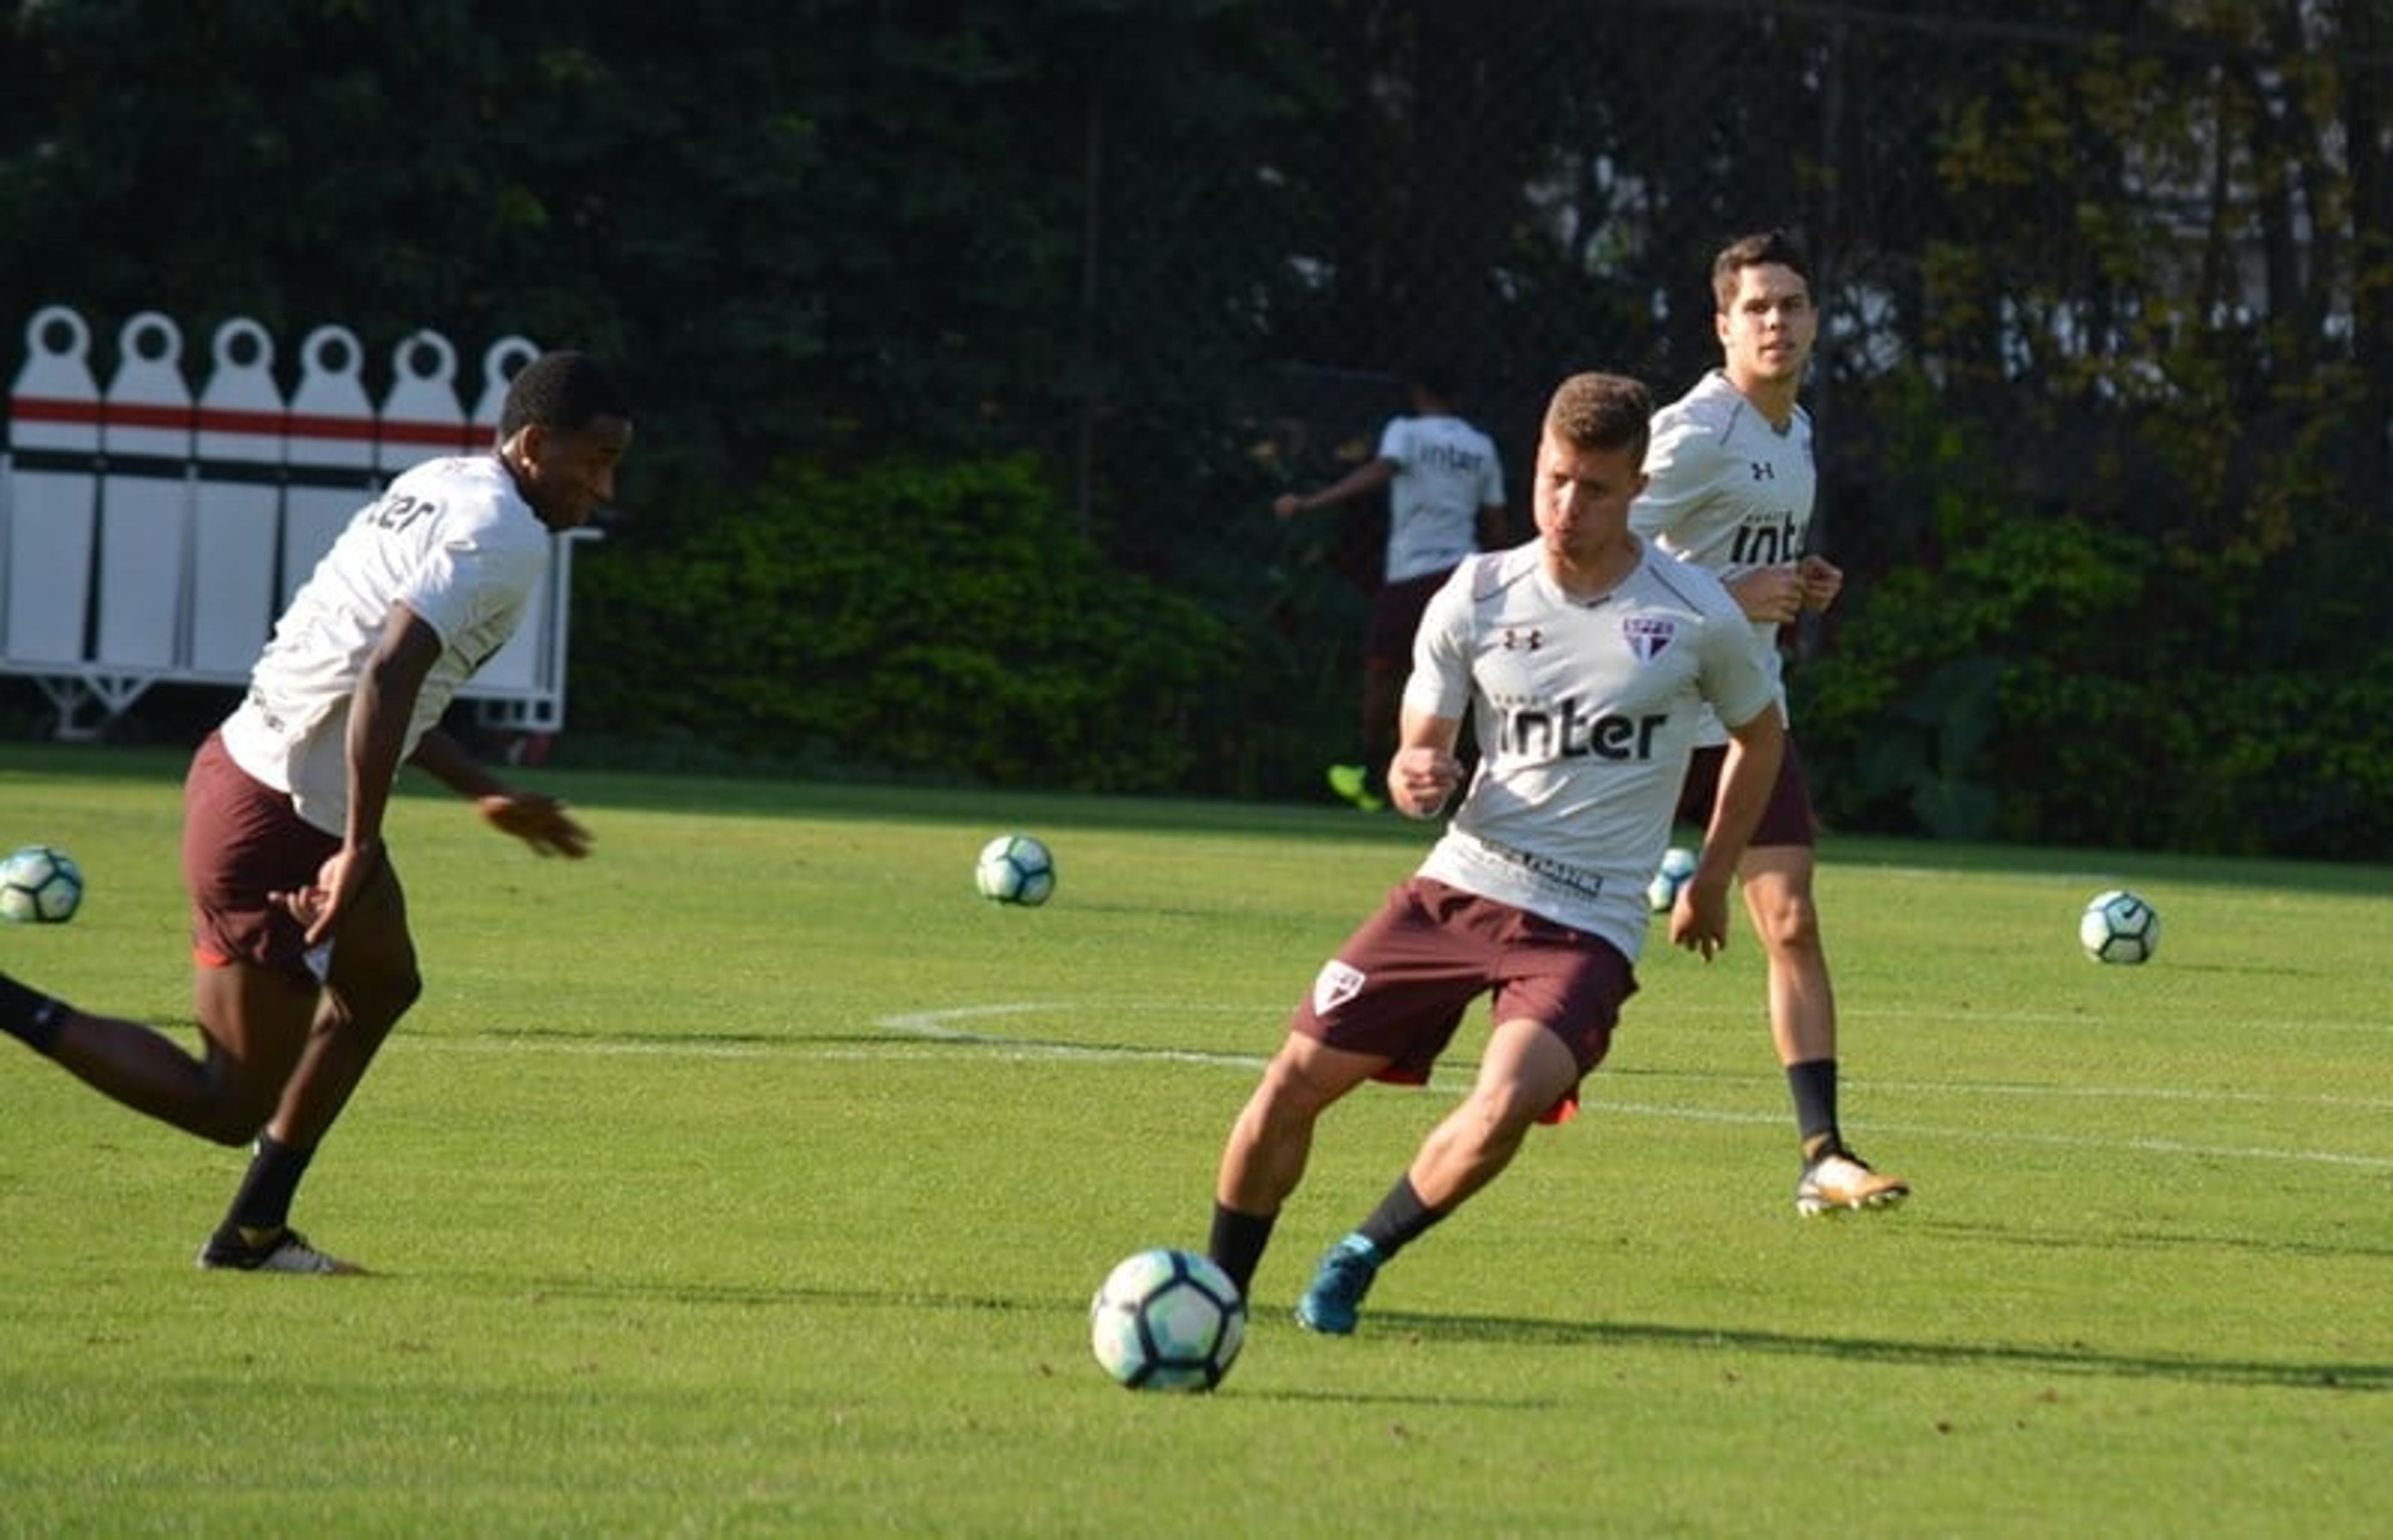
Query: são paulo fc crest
1649	635
1336	983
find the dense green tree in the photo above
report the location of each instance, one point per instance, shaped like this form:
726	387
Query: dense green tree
2104	396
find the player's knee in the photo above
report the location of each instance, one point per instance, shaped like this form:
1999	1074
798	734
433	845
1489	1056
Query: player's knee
231	1111
375	1002
1290	1092
233	1132
1496	1119
1789	923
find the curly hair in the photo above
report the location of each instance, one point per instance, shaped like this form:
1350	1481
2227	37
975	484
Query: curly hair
561	390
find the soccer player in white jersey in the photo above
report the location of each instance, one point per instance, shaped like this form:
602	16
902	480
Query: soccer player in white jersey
299	927
1445	500
1730	485
1583	657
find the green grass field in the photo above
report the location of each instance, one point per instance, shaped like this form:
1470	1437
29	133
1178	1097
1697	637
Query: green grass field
752	1178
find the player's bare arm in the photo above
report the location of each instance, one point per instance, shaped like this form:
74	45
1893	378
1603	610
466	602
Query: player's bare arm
538	820
1424	774
1370	476
379	711
1699	920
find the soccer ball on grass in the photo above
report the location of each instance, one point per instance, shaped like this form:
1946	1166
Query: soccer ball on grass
39	886
2119	927
1167	1320
1015	868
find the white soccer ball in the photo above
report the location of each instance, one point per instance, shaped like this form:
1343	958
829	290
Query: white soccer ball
1678	865
2119	927
39	886
1015	868
1167	1320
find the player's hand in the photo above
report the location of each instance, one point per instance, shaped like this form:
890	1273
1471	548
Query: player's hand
1823	580
1286	505
1699	919
304	905
1770	595
318	906
539	822
1420	779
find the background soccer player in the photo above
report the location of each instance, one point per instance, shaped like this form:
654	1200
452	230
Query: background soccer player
1730	488
299	926
1446	500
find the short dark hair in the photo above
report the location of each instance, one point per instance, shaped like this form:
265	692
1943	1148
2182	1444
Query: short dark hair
1766	249
1601	411
561	390
1439	377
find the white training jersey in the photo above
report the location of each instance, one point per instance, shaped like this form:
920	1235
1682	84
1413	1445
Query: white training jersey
453	540
1586	715
1447	471
1728	491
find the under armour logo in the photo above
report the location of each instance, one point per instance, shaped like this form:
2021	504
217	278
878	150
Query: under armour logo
1517	640
1764	471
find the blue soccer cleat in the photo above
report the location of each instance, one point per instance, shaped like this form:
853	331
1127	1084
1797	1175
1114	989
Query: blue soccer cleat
1331	1305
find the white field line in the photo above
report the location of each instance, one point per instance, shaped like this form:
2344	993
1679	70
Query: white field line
940	1026
927	1023
2054	1018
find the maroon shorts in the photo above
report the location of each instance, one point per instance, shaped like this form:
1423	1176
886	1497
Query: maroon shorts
242	840
1397	614
1787	820
1398	989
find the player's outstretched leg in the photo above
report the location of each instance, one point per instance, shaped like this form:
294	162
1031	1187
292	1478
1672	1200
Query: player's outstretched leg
30	1016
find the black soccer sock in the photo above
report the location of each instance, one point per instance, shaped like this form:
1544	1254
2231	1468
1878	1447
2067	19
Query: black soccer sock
30	1016
1399	1219
1237	1243
262	1206
1814	1083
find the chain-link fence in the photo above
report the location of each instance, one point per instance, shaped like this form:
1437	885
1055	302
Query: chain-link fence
2049	241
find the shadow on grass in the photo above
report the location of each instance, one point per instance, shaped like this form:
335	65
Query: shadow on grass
2075	1358
2149	1240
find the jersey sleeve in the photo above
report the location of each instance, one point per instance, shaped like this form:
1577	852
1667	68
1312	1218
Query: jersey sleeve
468	579
1735	681
1681	468
1440	684
1491	479
1396	442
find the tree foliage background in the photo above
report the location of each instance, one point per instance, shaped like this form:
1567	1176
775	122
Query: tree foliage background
2105	398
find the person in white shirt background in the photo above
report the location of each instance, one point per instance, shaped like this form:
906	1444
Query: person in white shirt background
1444	484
